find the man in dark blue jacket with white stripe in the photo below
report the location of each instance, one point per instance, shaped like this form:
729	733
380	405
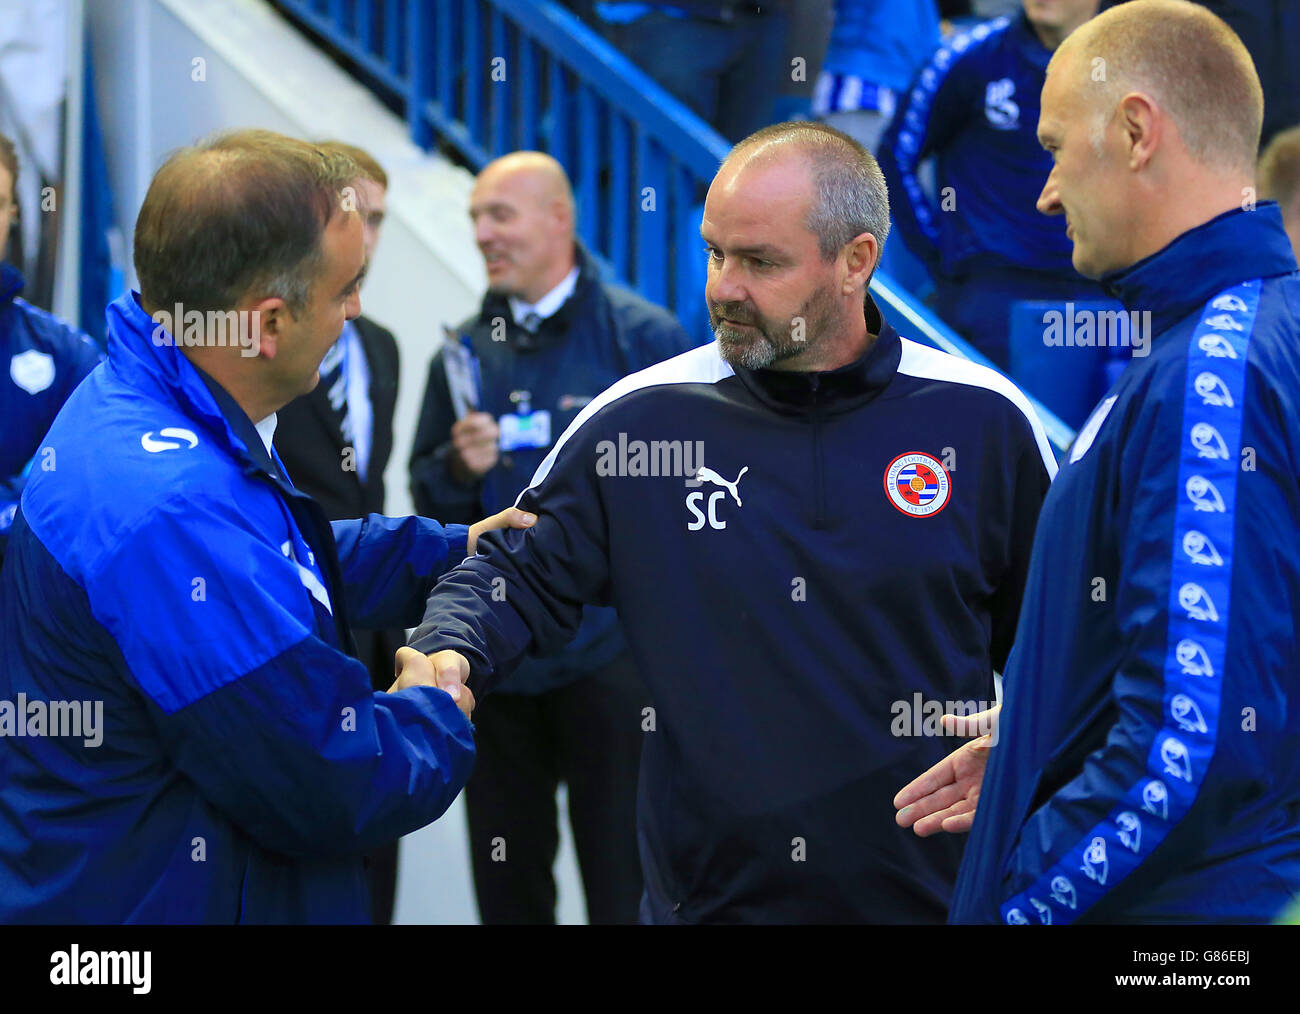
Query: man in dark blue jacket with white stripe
974	107
549	336
814	531
1147	767
183	735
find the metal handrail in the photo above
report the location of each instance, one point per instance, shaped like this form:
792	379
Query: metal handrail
923	324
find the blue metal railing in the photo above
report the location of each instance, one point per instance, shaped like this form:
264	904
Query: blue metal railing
491	76
916	321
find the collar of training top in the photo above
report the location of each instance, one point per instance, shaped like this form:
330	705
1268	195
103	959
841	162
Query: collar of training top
832	391
1228	249
242	426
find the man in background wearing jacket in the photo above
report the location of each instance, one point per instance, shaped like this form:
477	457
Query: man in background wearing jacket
974	107
549	337
1148	761
188	737
812	529
42	358
335	442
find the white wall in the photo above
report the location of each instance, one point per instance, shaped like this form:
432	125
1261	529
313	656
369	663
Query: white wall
171	71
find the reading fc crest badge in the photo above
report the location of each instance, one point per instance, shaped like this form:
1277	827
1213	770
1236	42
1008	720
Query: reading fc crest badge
917	484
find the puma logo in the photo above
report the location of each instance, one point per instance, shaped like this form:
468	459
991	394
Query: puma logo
706	474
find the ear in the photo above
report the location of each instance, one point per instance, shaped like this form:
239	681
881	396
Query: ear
859	258
1143	124
563	216
271	318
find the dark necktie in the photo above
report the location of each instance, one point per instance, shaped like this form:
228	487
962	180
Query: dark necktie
334	382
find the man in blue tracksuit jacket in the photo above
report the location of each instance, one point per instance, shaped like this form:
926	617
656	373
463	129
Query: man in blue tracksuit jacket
807	548
974	106
169	588
1147	767
44	360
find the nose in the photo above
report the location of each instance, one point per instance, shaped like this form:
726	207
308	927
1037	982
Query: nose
724	284
483	231
1049	201
353	308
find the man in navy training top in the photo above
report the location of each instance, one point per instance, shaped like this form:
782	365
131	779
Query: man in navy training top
813	530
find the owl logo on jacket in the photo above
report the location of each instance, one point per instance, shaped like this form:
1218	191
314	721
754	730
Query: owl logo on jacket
1063	892
1229	302
1177	760
1193	658
1187	714
1001	110
1155	799
1130	829
1208	442
1212	390
1095	863
1200	550
1196	600
1203	494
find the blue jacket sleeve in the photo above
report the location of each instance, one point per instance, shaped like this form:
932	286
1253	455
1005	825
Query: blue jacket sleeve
524	590
928	116
1197	624
277	729
390	564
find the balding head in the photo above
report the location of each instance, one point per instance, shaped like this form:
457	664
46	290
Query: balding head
523	212
1151	112
793	222
533	172
244	210
1188	61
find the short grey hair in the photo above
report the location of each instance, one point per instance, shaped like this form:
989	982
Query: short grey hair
850	194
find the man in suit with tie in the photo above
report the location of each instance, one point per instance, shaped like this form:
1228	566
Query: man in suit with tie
550	335
335	443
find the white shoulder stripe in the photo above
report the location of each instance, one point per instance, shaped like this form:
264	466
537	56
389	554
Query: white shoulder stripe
703	365
922	361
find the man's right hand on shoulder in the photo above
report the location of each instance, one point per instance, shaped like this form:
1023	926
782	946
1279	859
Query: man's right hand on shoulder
475	440
446	670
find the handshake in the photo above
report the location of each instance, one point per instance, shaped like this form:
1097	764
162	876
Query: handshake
448	670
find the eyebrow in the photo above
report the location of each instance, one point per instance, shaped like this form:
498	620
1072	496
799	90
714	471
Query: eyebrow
360	275
761	250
